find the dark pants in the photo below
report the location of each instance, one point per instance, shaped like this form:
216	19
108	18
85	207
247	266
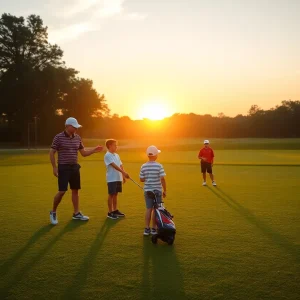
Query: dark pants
206	167
69	174
114	187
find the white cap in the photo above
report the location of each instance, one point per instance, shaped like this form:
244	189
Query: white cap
73	122
206	141
152	151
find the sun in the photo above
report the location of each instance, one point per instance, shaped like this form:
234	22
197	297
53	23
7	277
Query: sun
154	111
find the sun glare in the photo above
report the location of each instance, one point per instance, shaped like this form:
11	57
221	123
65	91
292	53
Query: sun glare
154	111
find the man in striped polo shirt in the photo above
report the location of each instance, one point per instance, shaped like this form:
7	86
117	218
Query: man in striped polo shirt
153	175
67	144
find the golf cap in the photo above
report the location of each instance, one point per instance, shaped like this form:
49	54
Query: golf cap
206	141
152	151
73	122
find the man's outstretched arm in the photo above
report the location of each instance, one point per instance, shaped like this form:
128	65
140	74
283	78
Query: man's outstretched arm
86	153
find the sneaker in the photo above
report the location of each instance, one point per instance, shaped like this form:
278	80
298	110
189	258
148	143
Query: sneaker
153	231
112	216
147	231
118	213
80	216
214	183
53	218
204	183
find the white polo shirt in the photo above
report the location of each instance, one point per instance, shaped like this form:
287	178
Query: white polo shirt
111	173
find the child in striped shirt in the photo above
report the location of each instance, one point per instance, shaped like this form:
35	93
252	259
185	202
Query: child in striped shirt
153	175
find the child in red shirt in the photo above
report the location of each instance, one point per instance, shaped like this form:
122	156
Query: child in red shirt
207	155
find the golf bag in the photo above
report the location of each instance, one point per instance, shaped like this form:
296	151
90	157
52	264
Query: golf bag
164	221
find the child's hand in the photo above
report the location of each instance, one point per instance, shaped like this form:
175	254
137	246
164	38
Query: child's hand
124	180
125	175
164	194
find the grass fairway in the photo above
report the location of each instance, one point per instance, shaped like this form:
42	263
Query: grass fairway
240	240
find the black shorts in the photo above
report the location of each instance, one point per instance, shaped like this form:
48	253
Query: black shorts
114	187
69	174
206	167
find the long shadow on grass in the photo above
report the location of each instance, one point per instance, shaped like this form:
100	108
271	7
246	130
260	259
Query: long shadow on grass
5	291
10	262
75	289
277	238
162	276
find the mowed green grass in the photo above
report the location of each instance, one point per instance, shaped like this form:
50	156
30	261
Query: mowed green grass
240	240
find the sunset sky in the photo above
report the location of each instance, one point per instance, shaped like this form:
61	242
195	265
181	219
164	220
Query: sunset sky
200	56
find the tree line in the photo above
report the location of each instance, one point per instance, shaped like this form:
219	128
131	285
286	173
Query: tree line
282	121
38	92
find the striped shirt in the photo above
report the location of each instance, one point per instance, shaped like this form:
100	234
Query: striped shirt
67	148
152	172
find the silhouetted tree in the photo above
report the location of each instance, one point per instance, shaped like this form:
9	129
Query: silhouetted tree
35	83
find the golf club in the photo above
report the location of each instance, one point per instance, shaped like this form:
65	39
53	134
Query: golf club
136	184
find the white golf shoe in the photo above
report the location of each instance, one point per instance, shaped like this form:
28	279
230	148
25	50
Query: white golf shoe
80	216
214	183
204	183
53	218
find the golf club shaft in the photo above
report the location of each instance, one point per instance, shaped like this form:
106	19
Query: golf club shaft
136	184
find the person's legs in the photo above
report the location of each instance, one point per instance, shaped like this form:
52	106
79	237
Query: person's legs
64	175
211	175
110	203
115	202
148	217
112	191
148	213
63	180
57	200
158	197
115	207
149	209
75	186
75	200
203	171
153	219
77	214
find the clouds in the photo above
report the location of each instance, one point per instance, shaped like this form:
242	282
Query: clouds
78	17
110	8
132	17
71	32
70	9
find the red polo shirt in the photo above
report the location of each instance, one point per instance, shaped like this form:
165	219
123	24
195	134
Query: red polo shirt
208	153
